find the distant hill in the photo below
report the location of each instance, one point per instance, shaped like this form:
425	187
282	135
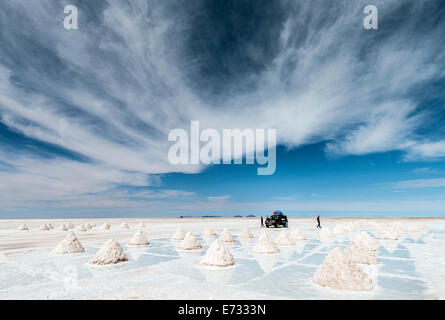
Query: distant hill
237	216
210	216
250	216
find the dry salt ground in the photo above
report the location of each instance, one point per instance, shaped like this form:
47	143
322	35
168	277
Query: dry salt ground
411	267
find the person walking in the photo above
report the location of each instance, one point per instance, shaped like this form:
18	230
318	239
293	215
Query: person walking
262	223
318	221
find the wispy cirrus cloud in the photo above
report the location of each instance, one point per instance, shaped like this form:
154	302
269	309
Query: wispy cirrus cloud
112	90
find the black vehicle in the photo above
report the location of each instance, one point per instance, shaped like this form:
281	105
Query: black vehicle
277	219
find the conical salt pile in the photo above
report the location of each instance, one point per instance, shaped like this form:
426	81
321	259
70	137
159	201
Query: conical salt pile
338	272
50	226
89	226
138	239
297	235
325	233
70	225
265	246
69	245
23	227
218	255
62	227
368	241
106	226
179	234
190	242
284	239
386	232
245	234
81	228
209	233
44	227
141	225
124	225
110	253
357	252
226	236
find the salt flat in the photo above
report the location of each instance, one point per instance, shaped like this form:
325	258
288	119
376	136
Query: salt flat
412	267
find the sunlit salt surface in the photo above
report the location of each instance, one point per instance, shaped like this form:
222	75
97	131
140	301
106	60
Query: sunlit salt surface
412	267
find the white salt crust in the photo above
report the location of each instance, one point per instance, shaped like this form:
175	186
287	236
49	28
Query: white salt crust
284	239
265	246
70	244
124	225
368	241
23	227
297	235
138	239
245	234
325	233
110	253
63	227
190	242
338	272
357	252
209	233
179	234
218	255
226	236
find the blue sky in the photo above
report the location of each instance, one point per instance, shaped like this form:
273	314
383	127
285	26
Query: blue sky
85	114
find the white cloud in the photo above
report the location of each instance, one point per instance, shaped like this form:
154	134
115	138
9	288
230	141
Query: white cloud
122	89
420	183
219	198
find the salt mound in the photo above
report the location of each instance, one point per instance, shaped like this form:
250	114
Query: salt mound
338	272
141	225
190	242
245	234
124	225
69	245
81	228
50	226
110	253
325	233
44	227
387	232
70	225
138	239
218	255
357	252
23	227
416	227
209	233
226	236
265	246
368	241
106	226
89	226
284	239
63	227
296	235
179	234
